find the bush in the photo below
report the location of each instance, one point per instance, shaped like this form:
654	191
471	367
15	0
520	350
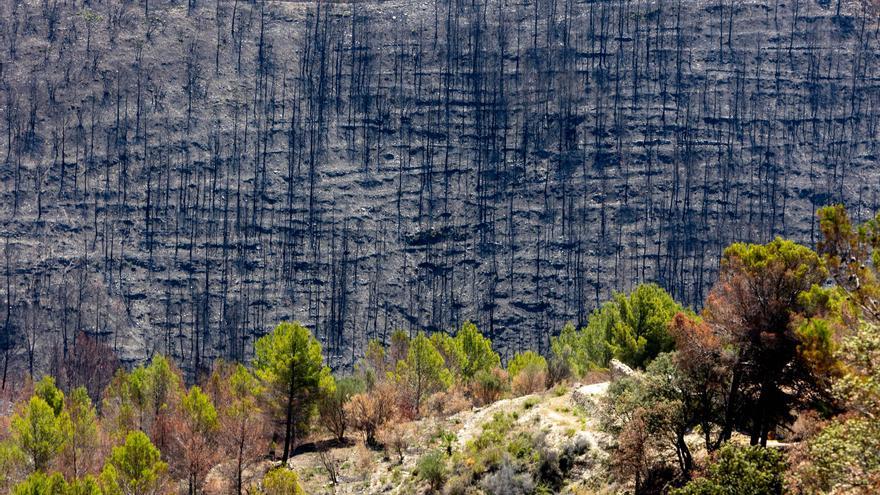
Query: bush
370	411
431	467
364	461
396	438
281	481
552	469
529	372
844	455
445	404
459	484
507	481
531	380
331	405
741	471
489	386
523	360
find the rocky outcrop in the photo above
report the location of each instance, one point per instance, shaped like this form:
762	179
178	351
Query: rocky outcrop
619	370
179	179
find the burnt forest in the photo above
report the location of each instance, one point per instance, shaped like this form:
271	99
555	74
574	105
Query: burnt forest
178	176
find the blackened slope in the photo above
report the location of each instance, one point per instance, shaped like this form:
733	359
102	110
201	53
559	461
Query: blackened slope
181	183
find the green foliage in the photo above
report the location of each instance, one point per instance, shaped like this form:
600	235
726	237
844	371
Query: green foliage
40	483
84	486
79	425
452	351
431	467
756	306
568	354
281	481
477	350
741	471
817	346
37	433
489	385
523	360
243	384
371	368
161	383
134	468
844	457
423	371
12	462
664	406
139	397
46	390
347	386
632	328
801	262
199	411
859	387
331	406
289	362
399	346
641	333
447	439
493	433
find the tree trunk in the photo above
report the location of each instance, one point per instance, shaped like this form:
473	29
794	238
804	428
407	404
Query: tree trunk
727	430
288	433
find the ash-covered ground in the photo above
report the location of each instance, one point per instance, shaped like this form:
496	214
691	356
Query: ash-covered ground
177	177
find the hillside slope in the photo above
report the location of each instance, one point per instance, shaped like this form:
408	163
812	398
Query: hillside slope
177	177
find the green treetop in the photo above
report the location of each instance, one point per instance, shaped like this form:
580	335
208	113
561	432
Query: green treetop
451	350
79	424
289	361
46	390
37	433
641	332
632	328
40	483
524	360
134	468
423	370
477	349
199	411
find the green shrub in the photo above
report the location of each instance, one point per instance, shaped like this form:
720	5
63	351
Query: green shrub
631	327
431	467
522	360
741	471
282	481
521	446
489	386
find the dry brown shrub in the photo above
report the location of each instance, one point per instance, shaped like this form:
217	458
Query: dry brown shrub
592	377
445	404
371	410
488	387
806	425
364	460
530	380
396	437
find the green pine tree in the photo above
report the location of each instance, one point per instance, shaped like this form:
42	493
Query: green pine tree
289	361
134	468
